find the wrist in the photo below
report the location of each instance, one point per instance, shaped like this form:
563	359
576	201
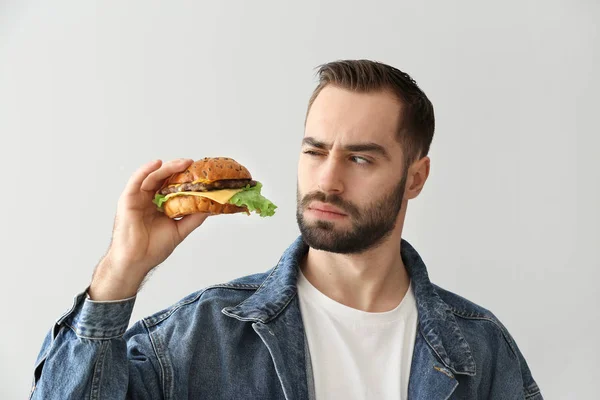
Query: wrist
112	283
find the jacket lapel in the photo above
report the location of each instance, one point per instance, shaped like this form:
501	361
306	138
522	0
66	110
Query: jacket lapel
284	337
275	314
429	379
441	351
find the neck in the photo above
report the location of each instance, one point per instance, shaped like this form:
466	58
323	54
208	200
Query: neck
373	281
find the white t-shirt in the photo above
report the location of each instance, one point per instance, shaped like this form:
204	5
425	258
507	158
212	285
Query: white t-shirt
357	354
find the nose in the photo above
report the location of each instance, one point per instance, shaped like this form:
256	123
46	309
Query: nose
330	177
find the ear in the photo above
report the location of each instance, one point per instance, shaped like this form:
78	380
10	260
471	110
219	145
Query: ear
417	176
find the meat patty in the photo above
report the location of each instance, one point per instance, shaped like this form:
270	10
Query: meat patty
205	187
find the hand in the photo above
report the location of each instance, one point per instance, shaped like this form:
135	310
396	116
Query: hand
143	237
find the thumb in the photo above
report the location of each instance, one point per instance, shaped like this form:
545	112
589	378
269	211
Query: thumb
187	224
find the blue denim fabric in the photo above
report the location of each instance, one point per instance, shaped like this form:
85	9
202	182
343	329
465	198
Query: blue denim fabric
245	340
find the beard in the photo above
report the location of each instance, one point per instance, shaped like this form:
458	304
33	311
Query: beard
371	225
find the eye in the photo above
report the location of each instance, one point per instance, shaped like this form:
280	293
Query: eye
360	160
311	152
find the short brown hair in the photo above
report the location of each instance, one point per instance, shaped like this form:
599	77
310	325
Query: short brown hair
415	133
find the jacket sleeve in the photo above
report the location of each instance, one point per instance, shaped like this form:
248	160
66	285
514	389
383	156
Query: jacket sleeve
531	391
90	354
512	372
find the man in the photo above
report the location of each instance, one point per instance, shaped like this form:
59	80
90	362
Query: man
348	312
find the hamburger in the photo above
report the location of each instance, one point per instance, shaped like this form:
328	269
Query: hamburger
215	185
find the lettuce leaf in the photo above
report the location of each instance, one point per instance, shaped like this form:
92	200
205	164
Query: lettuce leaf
159	199
251	198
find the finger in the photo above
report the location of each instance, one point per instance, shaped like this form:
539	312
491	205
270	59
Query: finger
136	180
187	224
154	181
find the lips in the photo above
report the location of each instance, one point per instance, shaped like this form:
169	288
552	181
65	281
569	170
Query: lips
318	206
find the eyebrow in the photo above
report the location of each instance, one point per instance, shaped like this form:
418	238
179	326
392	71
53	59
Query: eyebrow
362	147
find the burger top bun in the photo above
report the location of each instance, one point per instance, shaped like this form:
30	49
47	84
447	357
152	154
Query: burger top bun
210	169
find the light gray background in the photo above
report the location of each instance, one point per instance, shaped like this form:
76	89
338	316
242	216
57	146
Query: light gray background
509	217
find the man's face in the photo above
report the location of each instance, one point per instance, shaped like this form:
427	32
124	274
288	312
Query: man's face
350	174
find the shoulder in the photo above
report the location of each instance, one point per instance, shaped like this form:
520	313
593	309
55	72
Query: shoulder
465	308
476	318
490	342
477	321
215	297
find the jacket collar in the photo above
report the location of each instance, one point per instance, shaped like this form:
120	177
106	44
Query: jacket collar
437	322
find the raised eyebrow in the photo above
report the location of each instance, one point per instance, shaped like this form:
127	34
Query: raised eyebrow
368	147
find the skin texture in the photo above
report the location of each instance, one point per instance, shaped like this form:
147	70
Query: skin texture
354	258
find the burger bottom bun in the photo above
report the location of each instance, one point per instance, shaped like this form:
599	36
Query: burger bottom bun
178	206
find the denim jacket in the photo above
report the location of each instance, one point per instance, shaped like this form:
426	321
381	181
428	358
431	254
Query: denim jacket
245	340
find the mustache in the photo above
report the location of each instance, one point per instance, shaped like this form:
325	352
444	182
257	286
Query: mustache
332	199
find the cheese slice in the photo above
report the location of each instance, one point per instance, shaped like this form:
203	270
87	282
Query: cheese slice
220	196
